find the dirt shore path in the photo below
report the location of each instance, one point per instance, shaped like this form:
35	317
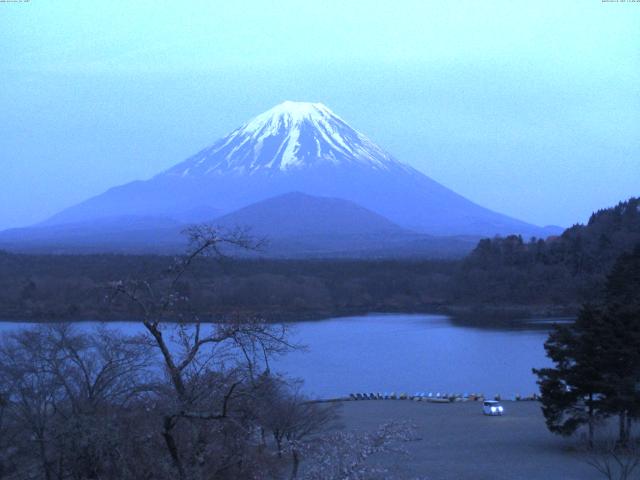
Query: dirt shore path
457	442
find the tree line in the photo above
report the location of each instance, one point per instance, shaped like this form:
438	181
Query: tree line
558	273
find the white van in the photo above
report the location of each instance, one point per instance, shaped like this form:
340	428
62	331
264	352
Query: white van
492	407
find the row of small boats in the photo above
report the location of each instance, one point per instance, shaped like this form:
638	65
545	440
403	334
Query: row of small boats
436	397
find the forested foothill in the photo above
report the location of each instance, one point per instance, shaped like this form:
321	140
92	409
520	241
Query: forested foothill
534	276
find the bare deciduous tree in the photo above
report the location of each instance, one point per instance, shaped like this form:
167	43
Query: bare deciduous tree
63	388
292	419
211	366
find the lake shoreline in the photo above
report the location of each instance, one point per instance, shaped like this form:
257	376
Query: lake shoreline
508	315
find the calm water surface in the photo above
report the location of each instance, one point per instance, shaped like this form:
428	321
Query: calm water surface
403	353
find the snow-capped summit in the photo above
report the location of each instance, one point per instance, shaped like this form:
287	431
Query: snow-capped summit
289	136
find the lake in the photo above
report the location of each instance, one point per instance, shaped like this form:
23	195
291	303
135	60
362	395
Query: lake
405	353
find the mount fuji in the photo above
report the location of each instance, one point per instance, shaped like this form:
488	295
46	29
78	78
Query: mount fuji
296	147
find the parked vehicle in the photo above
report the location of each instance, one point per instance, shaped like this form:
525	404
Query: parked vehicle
492	407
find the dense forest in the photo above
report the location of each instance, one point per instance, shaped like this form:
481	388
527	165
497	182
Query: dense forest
41	287
551	275
567	269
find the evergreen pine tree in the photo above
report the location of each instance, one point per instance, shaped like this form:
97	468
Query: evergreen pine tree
571	392
597	359
621	342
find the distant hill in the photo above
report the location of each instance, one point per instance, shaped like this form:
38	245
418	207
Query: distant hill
589	248
297	214
596	245
295	225
299	225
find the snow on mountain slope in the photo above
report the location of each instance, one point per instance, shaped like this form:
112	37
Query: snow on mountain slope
292	135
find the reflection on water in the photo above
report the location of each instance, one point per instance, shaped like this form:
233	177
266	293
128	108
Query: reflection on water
405	353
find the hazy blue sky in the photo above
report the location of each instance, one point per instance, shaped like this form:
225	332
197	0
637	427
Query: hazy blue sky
531	108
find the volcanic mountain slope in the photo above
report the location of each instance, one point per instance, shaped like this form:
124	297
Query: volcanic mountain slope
296	224
122	234
297	214
299	147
